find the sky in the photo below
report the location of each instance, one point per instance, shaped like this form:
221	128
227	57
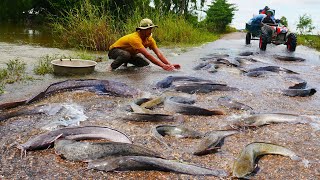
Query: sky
291	9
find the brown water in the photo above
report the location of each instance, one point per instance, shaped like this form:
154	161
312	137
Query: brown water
26	34
262	94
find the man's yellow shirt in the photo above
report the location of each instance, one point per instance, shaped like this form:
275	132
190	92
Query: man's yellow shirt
132	42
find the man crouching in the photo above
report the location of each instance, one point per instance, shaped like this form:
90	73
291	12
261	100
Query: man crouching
131	47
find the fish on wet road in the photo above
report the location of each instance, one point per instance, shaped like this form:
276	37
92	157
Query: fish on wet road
299	92
276	69
176	131
269	118
231	104
211	141
107	87
87	151
46	140
245	164
289	58
167	82
201	87
150	117
187	109
129	163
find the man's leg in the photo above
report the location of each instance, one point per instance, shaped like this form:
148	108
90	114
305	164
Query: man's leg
120	56
139	61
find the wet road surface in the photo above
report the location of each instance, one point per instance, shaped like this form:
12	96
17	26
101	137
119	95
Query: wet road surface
263	94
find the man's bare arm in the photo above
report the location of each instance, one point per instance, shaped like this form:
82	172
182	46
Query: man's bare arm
155	61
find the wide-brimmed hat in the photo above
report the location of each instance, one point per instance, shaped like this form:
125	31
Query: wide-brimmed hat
146	24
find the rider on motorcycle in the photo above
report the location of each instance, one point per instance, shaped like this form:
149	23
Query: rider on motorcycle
264	11
268	19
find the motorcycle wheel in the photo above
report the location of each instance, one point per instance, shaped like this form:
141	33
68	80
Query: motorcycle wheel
291	42
263	41
248	38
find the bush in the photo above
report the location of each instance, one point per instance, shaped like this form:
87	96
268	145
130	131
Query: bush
16	70
173	29
87	27
312	41
44	65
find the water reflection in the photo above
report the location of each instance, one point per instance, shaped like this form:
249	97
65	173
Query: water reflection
24	34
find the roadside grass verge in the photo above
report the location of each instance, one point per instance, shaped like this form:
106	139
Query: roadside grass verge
312	41
92	27
85	27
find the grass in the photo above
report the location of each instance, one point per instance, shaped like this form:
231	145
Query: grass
14	72
91	27
312	41
43	65
85	27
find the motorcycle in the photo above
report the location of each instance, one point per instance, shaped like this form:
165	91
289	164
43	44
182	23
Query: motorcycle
271	33
279	35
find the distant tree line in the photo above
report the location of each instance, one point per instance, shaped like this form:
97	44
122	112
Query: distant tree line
19	10
219	15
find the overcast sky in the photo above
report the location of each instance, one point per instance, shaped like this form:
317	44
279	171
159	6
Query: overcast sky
291	9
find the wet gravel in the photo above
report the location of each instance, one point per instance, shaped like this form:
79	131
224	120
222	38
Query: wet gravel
262	94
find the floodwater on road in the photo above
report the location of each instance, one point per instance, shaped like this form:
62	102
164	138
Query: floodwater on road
263	94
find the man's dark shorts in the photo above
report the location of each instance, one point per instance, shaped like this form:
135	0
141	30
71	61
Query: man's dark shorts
122	57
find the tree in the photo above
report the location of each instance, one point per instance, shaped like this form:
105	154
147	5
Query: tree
284	21
305	24
177	6
220	15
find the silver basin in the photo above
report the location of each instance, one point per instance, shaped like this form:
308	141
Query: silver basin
73	66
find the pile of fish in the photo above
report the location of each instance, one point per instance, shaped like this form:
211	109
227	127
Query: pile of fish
113	150
106	87
119	153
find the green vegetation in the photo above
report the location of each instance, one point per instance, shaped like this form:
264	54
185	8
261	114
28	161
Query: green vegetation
305	25
44	66
85	27
284	21
312	41
96	24
14	72
174	30
89	27
220	15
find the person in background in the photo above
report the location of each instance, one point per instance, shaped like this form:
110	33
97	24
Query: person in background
264	10
268	19
255	22
131	49
266	23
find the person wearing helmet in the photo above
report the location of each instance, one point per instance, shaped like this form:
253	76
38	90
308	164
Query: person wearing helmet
131	49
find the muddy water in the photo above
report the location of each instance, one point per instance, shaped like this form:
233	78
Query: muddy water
262	94
26	34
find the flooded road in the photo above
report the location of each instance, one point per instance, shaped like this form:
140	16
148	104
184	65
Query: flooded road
262	94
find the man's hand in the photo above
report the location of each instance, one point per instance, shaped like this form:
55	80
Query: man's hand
168	67
177	66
